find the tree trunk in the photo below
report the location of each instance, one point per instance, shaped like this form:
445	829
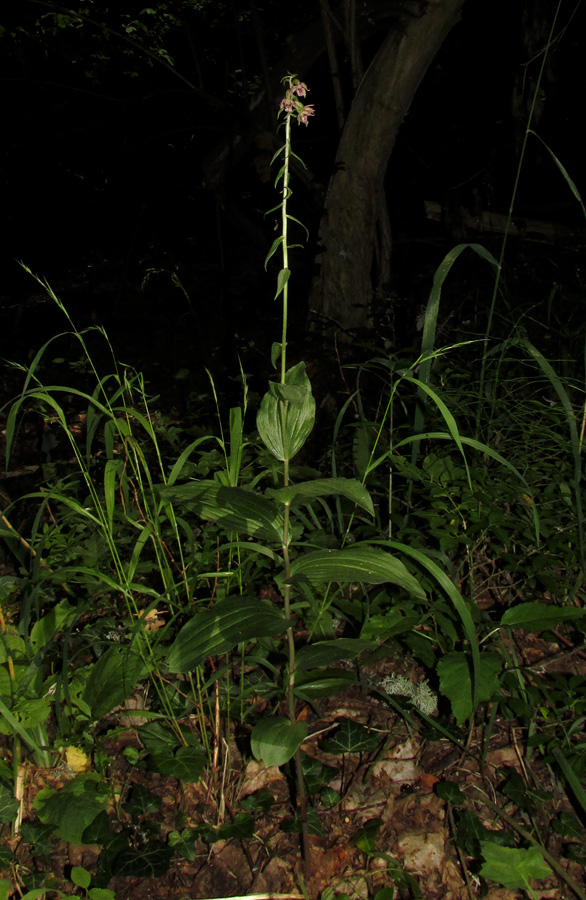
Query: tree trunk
342	291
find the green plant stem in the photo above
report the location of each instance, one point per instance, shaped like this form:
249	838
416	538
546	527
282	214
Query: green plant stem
285	248
300	784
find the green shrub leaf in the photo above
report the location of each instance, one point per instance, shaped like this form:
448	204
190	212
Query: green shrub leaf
80	877
511	866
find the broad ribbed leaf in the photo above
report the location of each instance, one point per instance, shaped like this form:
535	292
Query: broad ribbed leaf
354	564
275	740
113	678
231	507
324	653
299	414
218	629
323	683
538	617
325	487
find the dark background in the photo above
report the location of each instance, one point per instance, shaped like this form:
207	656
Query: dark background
107	152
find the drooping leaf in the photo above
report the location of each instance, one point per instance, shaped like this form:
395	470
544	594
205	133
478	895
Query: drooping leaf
275	740
113	678
218	629
355	564
456	681
323	683
282	280
458	602
294	408
538	617
394	621
351	488
324	653
54	620
233	508
513	867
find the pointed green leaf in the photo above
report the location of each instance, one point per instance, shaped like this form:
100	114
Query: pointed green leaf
233	508
282	280
355	564
275	246
218	629
538	617
456	681
298	414
323	683
325	653
351	488
114	677
275	740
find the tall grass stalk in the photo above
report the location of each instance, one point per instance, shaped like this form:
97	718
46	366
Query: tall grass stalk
127	485
497	280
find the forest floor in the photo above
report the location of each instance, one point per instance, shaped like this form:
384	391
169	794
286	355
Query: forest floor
388	796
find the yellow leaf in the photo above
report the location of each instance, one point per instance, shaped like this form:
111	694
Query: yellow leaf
77	760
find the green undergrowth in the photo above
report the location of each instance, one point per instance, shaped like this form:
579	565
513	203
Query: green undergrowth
194	586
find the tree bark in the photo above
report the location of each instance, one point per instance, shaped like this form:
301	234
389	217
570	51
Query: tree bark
342	291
